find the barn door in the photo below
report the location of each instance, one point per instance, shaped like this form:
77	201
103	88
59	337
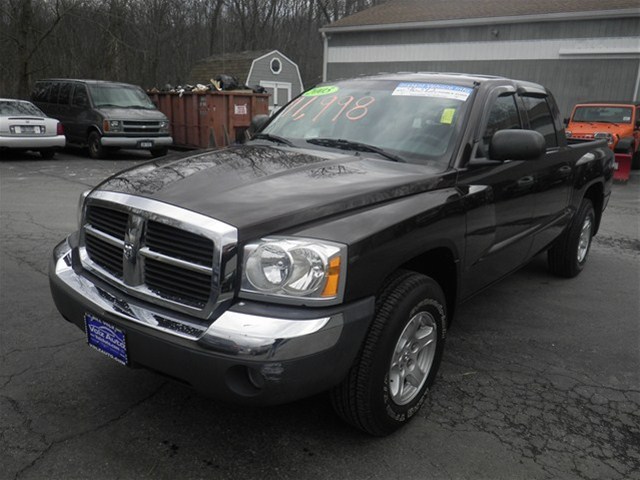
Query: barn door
279	94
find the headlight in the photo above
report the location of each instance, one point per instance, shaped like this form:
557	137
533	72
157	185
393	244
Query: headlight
112	126
164	126
604	135
294	268
568	133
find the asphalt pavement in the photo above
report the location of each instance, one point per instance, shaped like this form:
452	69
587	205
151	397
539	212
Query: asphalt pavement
540	377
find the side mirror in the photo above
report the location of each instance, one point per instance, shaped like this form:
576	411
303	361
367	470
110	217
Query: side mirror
517	145
257	122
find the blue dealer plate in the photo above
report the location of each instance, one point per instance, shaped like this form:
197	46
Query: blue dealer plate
106	338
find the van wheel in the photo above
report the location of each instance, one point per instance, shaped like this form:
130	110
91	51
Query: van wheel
398	362
96	150
568	255
159	152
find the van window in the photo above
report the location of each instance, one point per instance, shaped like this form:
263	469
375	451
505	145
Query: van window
80	97
65	93
114	95
54	89
540	118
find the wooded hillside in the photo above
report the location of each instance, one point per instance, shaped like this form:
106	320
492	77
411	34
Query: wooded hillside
154	42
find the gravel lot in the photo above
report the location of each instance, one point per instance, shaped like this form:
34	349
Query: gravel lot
540	377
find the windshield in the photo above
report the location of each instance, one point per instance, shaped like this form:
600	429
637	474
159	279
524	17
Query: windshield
19	108
603	114
414	121
123	96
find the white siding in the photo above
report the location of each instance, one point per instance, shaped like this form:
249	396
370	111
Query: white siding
614	47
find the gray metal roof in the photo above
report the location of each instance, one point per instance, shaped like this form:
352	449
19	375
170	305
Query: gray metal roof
415	12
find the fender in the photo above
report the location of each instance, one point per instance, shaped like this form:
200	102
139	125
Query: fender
391	234
596	166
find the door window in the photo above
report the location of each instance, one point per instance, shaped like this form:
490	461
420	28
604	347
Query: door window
540	118
503	116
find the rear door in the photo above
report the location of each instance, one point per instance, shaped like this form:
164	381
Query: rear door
553	171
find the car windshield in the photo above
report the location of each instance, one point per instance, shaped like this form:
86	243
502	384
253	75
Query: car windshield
19	108
403	121
121	96
603	114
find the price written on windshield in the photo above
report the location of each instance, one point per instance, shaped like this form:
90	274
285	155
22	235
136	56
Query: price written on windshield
320	106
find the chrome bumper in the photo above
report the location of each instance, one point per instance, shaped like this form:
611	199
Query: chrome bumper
133	142
234	333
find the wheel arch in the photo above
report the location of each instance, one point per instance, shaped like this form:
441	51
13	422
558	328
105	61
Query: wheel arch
441	265
595	193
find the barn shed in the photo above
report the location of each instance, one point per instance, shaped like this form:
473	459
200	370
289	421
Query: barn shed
580	49
270	69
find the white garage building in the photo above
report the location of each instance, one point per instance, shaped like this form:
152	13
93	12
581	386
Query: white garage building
580	49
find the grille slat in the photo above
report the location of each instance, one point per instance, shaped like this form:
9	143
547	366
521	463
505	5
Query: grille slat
193	280
106	255
177	283
177	243
113	222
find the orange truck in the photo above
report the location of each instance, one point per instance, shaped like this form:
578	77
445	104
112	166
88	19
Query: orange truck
617	122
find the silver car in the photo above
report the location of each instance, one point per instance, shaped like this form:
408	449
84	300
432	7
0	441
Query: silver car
23	126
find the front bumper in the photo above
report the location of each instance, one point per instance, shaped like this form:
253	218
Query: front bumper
253	353
136	142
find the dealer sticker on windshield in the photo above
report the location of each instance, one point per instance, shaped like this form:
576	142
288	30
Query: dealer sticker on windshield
433	90
106	338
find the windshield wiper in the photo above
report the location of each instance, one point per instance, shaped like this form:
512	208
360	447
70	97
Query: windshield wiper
273	138
108	105
356	146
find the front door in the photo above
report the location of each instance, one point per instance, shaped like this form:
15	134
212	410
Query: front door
498	236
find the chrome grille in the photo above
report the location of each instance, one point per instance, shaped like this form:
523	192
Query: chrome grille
159	252
131	126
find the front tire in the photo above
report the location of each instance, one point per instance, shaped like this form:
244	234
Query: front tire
569	255
398	362
159	152
96	150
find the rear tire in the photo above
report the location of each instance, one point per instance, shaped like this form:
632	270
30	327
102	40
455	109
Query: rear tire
96	150
569	255
390	379
47	154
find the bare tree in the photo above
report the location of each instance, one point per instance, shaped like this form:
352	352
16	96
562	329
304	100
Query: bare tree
153	42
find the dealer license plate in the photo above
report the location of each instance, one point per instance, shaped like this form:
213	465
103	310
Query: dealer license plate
106	338
145	144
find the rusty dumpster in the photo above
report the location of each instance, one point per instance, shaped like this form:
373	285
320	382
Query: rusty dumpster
210	119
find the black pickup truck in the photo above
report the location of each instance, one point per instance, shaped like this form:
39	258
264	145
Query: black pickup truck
328	253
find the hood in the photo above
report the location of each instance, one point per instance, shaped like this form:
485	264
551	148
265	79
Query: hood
586	128
262	190
140	114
